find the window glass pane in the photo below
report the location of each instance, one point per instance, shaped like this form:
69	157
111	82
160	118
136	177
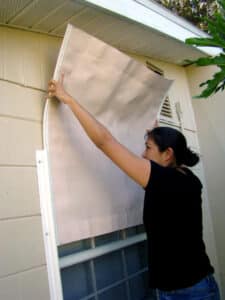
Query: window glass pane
138	287
131	231
107	238
76	281
75	247
140	228
136	257
118	292
135	230
108	269
143	251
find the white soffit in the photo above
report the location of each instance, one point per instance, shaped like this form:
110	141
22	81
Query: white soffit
140	27
153	15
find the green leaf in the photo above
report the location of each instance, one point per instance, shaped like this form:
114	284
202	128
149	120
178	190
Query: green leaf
213	85
203	42
221	3
220	23
212	28
216	28
220	87
208	61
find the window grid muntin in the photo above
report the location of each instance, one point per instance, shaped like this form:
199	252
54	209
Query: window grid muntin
128	278
126	233
94	281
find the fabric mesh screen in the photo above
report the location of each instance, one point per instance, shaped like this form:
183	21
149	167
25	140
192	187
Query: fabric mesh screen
91	195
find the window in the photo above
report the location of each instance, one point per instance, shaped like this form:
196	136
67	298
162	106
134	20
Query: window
120	274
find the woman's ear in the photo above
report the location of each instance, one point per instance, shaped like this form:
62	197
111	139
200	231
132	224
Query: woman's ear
169	156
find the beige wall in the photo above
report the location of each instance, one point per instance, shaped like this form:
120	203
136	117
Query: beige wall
210	118
27	61
180	92
26	64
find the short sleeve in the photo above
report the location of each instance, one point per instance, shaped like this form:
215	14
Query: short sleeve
160	176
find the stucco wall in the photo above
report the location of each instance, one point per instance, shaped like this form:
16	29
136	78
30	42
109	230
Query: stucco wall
210	118
26	64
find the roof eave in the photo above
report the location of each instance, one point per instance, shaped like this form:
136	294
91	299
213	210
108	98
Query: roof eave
154	16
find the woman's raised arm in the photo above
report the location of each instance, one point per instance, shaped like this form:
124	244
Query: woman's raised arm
134	166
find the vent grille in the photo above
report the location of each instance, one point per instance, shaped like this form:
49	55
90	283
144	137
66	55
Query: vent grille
154	68
166	110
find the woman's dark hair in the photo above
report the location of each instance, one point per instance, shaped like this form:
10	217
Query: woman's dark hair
165	137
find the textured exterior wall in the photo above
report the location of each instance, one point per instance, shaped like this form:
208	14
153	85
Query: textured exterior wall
211	123
26	64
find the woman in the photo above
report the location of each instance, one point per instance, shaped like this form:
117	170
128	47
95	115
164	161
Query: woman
179	267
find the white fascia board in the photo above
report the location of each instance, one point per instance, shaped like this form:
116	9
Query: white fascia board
156	17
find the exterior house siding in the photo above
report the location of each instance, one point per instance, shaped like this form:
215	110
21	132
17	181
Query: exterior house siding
26	64
181	92
211	123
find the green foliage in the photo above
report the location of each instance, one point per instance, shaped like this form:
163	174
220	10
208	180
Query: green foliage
192	10
216	30
208	15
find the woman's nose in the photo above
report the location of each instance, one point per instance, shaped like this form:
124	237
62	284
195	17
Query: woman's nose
144	154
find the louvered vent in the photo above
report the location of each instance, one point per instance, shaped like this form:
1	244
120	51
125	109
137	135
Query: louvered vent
166	110
154	68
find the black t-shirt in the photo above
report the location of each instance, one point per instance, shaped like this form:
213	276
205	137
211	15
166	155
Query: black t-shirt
173	222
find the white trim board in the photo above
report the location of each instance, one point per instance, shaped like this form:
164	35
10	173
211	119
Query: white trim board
153	16
48	226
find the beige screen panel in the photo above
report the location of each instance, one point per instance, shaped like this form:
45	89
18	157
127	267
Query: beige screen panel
91	195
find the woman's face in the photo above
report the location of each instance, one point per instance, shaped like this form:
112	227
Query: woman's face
152	153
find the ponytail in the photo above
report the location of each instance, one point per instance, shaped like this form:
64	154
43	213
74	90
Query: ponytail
190	158
166	137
